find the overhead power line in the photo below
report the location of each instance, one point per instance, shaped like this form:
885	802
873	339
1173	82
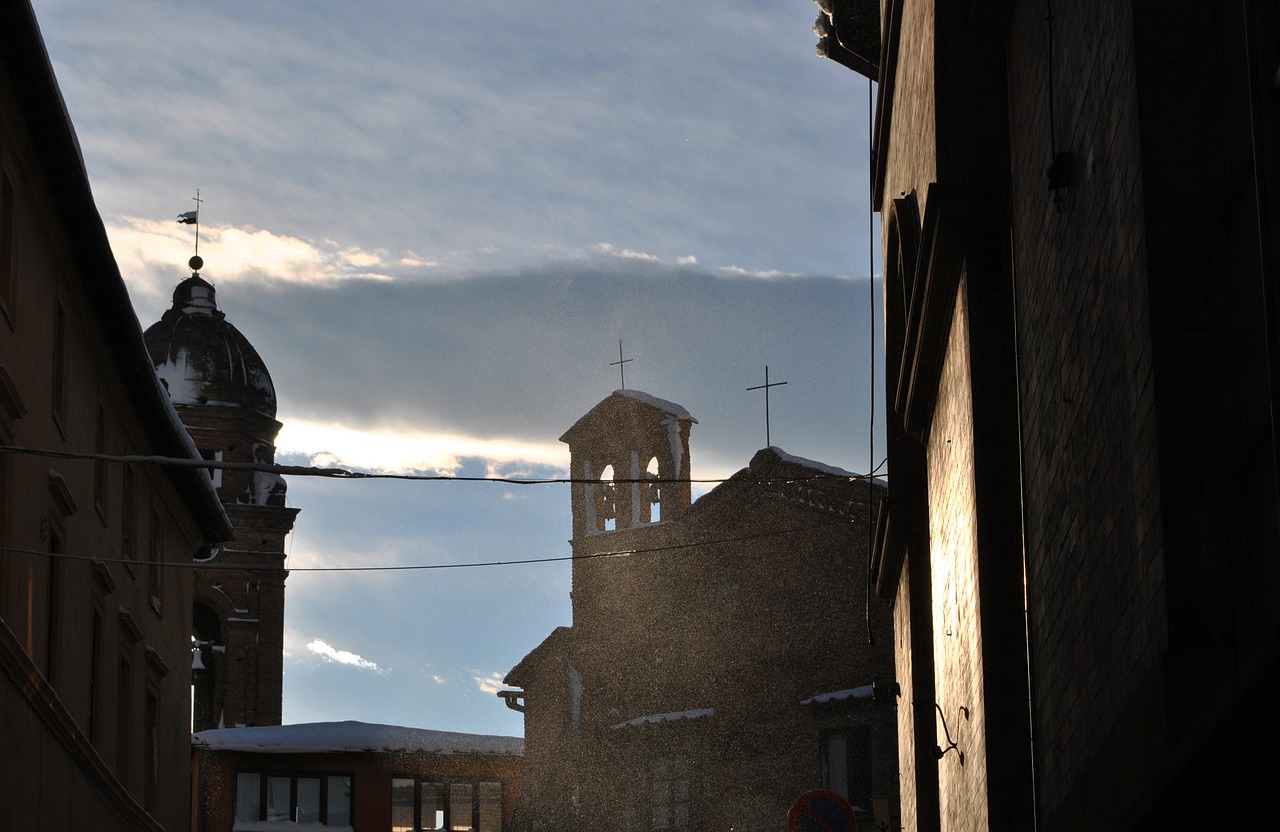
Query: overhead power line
343	473
213	563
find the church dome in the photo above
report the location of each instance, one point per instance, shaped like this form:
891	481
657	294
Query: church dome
203	359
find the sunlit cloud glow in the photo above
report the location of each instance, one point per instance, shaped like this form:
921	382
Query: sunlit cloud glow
489	684
390	450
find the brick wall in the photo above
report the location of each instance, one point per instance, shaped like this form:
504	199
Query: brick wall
957	643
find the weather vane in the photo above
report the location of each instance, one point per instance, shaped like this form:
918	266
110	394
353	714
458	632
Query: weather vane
768	441
621	364
193	218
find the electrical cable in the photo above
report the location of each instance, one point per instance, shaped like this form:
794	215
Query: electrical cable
342	473
212	564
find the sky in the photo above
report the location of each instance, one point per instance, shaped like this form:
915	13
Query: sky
436	221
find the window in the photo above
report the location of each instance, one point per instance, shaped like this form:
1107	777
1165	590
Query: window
128	520
100	466
297	797
652	504
124	724
669	792
607	503
95	673
459	806
665	796
58	384
53	608
6	245
151	749
846	764
155	570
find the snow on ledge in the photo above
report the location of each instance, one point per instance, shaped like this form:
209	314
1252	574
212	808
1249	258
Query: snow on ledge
351	736
669	717
863	692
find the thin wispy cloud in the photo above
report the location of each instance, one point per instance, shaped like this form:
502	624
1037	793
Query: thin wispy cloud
332	654
491	683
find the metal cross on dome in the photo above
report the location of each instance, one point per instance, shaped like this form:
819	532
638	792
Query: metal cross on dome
768	440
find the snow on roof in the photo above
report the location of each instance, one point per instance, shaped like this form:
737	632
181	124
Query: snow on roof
863	692
328	737
661	404
668	717
820	467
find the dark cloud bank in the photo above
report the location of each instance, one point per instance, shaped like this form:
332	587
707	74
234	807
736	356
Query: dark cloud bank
523	354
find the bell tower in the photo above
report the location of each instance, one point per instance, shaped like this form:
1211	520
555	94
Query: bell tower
630	457
223	394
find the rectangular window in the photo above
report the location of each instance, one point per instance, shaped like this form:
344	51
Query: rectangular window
151	751
279	791
155	571
294	797
124	724
6	246
128	520
846	764
338	800
402	805
95	674
100	466
431	815
248	795
460	800
490	804
58	384
53	608
459	806
670	794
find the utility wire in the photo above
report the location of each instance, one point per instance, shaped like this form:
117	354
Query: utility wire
342	473
213	564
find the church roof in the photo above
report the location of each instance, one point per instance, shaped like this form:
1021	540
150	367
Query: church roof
625	405
202	358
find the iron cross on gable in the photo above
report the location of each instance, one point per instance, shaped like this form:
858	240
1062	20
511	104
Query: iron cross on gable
621	364
768	440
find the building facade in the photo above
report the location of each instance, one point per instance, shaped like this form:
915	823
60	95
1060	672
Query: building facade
223	393
717	667
96	540
353	775
1079	216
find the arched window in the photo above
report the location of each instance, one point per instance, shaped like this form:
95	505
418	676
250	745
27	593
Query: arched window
653	499
607	502
206	632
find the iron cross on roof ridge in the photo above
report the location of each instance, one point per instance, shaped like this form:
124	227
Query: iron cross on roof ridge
621	364
768	440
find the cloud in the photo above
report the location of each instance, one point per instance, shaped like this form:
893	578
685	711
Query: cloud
766	274
626	253
491	683
406	449
332	654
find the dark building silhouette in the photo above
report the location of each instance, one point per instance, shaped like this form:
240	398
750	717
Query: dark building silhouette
718	666
221	389
95	585
1080	539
